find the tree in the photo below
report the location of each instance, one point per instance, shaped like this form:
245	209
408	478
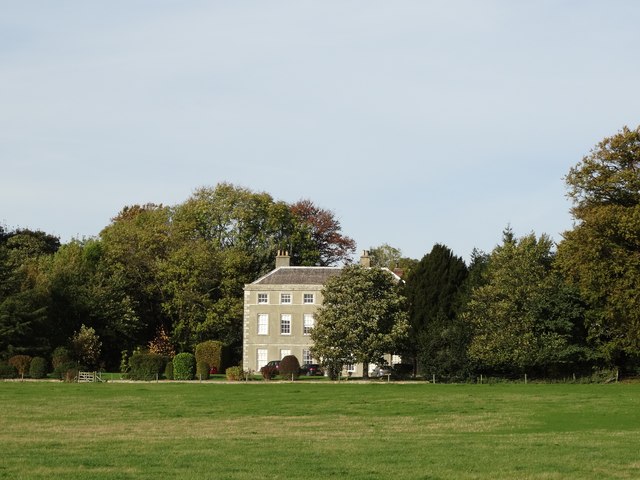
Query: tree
84	287
21	364
363	317
524	316
86	346
23	298
390	257
438	337
385	256
131	250
601	254
329	245
232	218
161	344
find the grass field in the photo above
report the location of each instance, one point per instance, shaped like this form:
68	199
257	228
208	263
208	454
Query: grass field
316	431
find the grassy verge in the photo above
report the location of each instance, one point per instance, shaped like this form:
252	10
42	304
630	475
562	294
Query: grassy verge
318	431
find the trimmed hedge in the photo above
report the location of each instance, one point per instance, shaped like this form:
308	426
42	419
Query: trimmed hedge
184	366
210	352
38	367
235	374
145	366
202	370
290	367
7	371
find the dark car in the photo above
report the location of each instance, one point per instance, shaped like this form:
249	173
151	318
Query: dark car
311	369
271	369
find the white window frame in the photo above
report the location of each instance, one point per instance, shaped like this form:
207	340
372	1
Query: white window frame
306	356
284	352
285	324
350	367
263	298
263	324
307	325
262	358
286	298
309	298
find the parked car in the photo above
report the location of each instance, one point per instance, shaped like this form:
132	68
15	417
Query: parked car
311	369
382	371
271	369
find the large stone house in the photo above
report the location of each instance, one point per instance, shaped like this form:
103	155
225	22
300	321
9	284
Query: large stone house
279	313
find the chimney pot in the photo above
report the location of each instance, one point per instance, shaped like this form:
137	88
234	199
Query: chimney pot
283	259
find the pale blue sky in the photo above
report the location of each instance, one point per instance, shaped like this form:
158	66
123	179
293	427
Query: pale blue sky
416	122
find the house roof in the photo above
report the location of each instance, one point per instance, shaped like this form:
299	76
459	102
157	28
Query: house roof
304	276
298	276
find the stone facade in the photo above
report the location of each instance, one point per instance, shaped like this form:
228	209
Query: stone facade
279	311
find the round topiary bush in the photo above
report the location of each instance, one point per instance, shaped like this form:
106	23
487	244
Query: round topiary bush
290	367
38	367
184	366
145	366
202	370
235	374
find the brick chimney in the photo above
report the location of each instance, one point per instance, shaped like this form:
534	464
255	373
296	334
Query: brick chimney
283	259
365	260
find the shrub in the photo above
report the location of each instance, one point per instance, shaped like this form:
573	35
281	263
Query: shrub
235	374
145	366
168	370
210	352
59	356
71	373
21	363
333	368
38	367
7	370
290	367
184	366
60	372
202	370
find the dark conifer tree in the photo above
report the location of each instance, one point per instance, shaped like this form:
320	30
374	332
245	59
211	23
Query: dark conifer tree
439	338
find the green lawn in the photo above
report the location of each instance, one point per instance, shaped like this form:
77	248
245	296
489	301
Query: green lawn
318	430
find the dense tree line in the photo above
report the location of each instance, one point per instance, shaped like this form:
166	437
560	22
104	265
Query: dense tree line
176	273
156	269
530	307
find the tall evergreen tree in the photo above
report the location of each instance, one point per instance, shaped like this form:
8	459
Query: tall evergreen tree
23	298
438	337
